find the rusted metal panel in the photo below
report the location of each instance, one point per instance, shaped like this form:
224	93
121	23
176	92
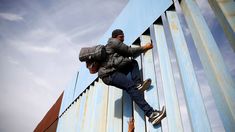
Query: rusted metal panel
189	80
138	114
114	115
52	127
151	95
50	118
225	13
171	100
220	80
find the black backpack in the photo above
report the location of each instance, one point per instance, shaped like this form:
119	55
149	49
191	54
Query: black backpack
94	53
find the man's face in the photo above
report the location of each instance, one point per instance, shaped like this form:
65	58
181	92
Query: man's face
120	37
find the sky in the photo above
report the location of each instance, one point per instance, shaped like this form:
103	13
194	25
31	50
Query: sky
39	45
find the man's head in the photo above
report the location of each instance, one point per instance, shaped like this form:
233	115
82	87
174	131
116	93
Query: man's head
118	34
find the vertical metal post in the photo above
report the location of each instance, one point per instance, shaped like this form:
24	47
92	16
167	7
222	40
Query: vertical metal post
151	95
220	80
224	11
138	113
114	115
171	100
194	100
82	111
127	110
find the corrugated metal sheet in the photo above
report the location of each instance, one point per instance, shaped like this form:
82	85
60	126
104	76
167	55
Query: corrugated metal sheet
151	95
49	122
90	105
225	13
191	87
220	80
171	100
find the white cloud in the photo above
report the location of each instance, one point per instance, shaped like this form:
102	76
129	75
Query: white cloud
11	17
44	49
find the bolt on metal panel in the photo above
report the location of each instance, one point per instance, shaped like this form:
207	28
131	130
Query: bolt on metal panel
138	114
151	95
220	80
191	88
114	115
225	13
171	100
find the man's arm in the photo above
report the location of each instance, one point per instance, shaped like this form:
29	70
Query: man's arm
125	50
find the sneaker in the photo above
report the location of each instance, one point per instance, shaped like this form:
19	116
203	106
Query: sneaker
156	117
145	85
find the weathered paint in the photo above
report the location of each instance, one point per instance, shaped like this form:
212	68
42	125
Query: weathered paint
114	115
88	110
151	95
220	80
68	95
99	110
138	114
127	110
172	104
191	88
82	109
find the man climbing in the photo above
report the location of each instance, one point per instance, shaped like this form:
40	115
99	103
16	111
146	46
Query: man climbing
113	71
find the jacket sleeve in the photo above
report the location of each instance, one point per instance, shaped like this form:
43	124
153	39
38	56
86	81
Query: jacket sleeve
125	50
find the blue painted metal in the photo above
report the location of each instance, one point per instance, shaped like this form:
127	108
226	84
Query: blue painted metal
191	88
114	115
102	118
224	12
99	110
82	83
127	110
83	104
171	100
220	80
151	95
141	18
136	17
88	110
68	95
138	114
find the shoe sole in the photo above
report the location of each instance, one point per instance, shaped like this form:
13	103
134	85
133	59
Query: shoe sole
146	85
159	119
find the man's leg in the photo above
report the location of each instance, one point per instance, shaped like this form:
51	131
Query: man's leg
120	80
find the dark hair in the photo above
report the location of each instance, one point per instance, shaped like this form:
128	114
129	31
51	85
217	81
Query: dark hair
117	32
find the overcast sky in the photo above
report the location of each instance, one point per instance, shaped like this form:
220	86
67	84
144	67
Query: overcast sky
39	45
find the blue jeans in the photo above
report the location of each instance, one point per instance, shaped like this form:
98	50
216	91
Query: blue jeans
119	79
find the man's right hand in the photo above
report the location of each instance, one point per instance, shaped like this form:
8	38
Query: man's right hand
148	46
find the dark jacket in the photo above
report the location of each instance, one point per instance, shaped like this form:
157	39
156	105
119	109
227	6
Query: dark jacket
118	56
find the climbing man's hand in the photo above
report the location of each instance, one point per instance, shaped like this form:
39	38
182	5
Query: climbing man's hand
148	46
